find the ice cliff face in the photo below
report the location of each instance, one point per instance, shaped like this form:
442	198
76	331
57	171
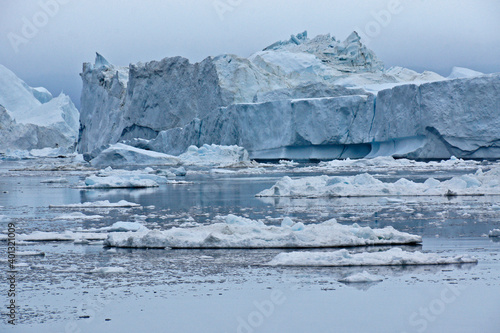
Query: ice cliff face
301	98
30	118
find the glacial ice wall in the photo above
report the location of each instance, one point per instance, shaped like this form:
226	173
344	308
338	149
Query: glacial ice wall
301	99
459	117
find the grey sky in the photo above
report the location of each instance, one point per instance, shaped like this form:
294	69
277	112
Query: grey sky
418	34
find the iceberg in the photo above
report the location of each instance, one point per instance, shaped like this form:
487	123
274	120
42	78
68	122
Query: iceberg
342	258
239	232
299	99
365	185
214	155
120	154
494	233
30	118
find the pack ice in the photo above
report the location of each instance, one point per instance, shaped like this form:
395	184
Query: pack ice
392	257
302	98
238	232
365	185
30	118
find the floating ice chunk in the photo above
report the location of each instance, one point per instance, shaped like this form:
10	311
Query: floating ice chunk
123	227
287	163
66	236
99	204
494	233
30	253
119	182
78	216
111	178
392	257
287	222
239	232
109	270
361	185
120	154
179	172
211	155
363	277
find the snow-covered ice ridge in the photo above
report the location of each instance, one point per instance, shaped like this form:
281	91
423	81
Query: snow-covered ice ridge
238	232
298	99
392	257
365	185
30	118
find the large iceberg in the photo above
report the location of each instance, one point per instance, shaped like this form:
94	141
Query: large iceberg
301	98
30	118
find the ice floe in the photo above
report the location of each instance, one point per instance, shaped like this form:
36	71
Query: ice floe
392	257
494	233
66	236
123	227
238	232
78	216
211	155
79	236
389	163
108	270
365	185
119	178
99	204
121	154
119	182
30	253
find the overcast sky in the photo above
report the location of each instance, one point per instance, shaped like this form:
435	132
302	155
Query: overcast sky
46	44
